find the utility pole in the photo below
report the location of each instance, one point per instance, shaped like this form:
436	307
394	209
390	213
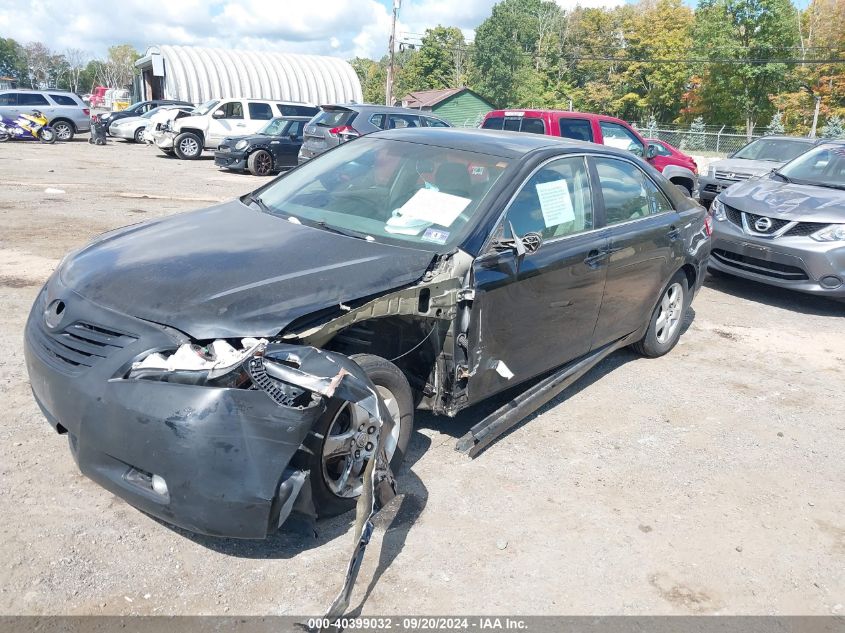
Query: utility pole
815	117
388	90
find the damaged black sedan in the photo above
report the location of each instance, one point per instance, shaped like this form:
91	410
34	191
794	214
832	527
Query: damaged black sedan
225	368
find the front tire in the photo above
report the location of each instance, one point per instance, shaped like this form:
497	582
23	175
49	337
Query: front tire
664	328
332	493
47	135
260	163
64	130
187	146
139	135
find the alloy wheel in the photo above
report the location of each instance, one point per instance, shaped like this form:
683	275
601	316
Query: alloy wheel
669	313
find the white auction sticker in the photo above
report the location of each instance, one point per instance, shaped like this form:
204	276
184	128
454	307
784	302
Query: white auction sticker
433	206
555	202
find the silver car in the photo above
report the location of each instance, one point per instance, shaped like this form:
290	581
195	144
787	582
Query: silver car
755	159
787	228
132	128
67	113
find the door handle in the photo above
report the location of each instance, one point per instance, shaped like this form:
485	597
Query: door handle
674	233
595	257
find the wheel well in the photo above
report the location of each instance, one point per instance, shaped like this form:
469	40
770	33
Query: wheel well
193	131
411	343
686	182
64	120
690	272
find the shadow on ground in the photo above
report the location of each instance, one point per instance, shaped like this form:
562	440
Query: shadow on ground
774	296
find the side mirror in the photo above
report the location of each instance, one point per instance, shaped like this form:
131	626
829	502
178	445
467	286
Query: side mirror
293	137
218	114
651	152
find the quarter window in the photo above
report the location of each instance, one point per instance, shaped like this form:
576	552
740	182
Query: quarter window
430	122
554	202
620	137
577	129
63	100
31	99
260	111
402	120
9	99
493	123
628	193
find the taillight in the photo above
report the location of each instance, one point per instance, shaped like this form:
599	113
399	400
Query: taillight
708	224
86	111
343	130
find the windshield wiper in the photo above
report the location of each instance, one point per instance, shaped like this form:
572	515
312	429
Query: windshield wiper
777	173
333	229
257	201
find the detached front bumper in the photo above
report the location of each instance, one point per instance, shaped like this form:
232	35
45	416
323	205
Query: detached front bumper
230	160
228	455
796	263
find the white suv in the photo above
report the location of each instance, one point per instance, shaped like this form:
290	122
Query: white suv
209	124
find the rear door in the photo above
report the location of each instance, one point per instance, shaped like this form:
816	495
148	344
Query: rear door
645	244
536	311
258	113
9	105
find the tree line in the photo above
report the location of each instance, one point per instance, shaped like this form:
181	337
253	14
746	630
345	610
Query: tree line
730	62
34	65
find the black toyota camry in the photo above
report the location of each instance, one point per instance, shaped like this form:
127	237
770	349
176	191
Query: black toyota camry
225	368
274	148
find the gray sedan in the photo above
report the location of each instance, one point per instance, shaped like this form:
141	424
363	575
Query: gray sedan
787	228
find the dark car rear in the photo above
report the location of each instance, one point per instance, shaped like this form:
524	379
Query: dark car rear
335	124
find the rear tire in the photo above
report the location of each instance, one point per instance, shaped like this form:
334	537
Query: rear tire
664	328
260	163
388	379
187	146
63	129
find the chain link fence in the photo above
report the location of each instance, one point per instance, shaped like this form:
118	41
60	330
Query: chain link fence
717	139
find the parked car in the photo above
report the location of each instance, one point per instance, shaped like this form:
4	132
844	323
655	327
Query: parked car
787	228
336	124
758	157
414	267
162	119
596	128
275	147
137	109
133	128
66	112
215	120
673	163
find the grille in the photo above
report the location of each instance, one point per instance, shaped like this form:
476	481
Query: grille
734	215
805	228
713	188
776	225
80	345
760	266
733	176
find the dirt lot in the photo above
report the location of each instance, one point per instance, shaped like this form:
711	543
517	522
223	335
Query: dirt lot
707	481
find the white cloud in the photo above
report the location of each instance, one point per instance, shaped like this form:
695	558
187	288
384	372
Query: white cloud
345	28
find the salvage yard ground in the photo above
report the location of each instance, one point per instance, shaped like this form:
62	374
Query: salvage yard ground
707	481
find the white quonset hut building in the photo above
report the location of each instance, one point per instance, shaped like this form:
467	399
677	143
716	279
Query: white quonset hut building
197	74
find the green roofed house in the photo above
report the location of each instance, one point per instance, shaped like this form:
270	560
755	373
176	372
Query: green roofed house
459	106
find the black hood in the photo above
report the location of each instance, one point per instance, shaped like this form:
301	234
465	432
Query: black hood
231	271
252	139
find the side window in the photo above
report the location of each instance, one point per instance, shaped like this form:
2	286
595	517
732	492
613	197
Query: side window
296	129
402	120
493	123
9	99
63	100
430	122
556	201
512	124
31	99
621	137
233	110
377	120
662	150
260	111
628	193
534	126
577	129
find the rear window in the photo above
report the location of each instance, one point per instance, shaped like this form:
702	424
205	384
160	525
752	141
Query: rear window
578	129
296	110
260	111
493	123
430	122
8	99
534	126
31	99
64	100
333	118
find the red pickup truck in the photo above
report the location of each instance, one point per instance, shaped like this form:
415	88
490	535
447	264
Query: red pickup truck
597	128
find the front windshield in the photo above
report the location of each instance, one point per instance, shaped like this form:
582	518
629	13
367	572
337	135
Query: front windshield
150	113
824	165
206	107
276	127
388	191
777	150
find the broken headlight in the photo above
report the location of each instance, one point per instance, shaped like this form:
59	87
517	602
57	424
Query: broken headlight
218	364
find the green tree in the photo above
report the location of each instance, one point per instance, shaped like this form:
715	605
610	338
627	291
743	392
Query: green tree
12	63
834	128
739	30
440	61
776	124
695	139
373	78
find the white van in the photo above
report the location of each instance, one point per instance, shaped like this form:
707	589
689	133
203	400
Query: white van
186	137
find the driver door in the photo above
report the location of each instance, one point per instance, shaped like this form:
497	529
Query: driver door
536	311
230	122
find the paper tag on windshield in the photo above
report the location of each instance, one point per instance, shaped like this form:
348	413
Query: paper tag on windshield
433	206
435	235
555	202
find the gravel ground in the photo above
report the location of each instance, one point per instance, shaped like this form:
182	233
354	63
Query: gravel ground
707	481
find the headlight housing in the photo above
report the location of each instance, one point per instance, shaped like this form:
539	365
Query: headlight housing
717	210
832	233
241	144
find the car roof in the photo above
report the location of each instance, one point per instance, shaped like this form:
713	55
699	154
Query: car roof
374	107
291	117
494	142
786	137
47	91
565	114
